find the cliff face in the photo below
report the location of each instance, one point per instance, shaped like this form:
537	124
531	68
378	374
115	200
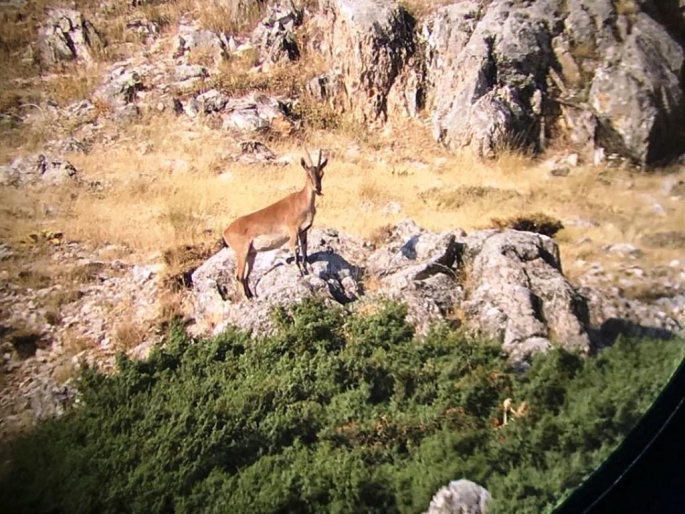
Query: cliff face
604	76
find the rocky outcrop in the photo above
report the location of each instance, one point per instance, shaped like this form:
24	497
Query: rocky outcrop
276	281
192	40
38	169
274	36
119	91
460	497
368	45
253	113
486	69
508	284
519	295
88	309
66	36
503	74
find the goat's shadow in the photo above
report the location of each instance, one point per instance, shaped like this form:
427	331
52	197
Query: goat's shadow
613	328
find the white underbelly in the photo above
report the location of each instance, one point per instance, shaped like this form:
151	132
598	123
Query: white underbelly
269	242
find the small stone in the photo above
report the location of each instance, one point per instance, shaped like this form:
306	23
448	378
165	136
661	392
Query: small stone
625	250
562	171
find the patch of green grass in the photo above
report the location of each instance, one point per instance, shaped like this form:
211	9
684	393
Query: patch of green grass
335	413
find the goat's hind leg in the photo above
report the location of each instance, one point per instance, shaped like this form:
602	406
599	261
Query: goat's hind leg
249	266
294	247
242	270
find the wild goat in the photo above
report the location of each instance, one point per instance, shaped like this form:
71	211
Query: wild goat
288	219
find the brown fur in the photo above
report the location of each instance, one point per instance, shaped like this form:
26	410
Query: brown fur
287	220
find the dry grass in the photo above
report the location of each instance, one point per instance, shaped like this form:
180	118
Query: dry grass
170	192
74	343
230	17
627	7
420	8
128	334
167	186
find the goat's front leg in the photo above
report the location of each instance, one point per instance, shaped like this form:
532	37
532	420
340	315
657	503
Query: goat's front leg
303	250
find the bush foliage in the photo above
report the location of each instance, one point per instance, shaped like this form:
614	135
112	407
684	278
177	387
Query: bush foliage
335	413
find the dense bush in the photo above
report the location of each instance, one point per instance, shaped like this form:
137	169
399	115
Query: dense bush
334	414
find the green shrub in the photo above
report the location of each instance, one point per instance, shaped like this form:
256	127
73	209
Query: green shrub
333	414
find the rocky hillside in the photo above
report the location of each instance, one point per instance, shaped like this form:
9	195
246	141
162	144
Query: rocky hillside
602	76
134	132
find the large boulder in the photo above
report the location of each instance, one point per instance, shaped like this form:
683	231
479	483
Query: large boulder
417	267
486	67
518	294
637	91
369	46
275	280
508	73
67	36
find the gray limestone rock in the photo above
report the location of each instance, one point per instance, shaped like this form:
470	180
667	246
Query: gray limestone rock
67	36
460	497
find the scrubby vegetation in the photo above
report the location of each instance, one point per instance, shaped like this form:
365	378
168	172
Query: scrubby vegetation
335	413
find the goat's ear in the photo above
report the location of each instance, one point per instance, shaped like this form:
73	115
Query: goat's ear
323	164
304	164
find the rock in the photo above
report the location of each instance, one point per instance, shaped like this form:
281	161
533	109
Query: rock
275	282
637	92
6	252
120	88
519	295
212	101
416	267
502	74
254	152
381	34
67	145
40	168
624	250
460	497
253	113
66	36
144	27
193	40
186	72
492	62
320	87
406	243
274	36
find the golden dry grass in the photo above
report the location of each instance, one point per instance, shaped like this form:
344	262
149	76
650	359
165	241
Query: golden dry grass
167	181
168	184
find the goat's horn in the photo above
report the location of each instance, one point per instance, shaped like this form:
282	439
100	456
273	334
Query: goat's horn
307	157
320	158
